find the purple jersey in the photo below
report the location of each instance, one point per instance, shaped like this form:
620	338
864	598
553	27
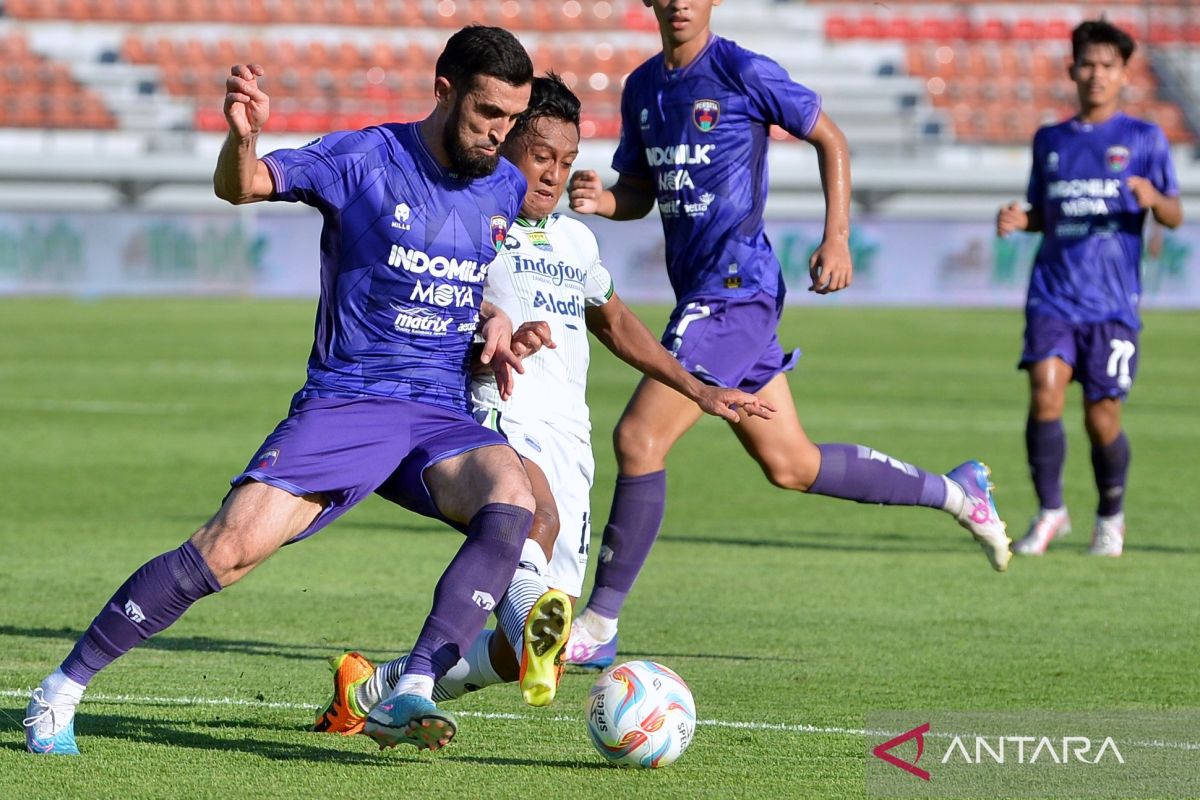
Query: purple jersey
404	251
1089	266
700	135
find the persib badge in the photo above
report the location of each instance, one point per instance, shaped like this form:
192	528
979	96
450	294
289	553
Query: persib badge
499	231
706	114
539	239
1117	158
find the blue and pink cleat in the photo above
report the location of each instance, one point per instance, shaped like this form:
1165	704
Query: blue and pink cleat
410	719
49	729
979	514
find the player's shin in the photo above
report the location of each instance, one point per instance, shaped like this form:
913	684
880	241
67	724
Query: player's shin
466	594
1110	463
1046	446
855	472
638	506
148	602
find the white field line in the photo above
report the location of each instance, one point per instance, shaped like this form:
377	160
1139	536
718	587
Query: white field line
783	727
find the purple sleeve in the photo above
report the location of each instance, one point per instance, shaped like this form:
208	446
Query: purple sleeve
778	100
324	172
630	159
1160	170
1036	192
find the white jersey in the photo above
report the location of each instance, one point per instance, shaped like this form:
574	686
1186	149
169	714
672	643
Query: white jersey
548	270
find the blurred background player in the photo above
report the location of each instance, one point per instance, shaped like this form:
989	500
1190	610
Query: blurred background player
550	269
694	132
1094	177
386	380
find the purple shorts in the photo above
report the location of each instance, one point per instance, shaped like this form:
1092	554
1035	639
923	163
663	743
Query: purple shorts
346	449
1103	356
730	341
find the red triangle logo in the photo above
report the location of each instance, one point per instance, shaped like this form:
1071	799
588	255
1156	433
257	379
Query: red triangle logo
917	733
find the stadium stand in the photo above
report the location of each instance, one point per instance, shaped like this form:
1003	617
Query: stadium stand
919	86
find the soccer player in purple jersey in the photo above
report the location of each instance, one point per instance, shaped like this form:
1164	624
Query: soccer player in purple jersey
695	124
1094	177
413	215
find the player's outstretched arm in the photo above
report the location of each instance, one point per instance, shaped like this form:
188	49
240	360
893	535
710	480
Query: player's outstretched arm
628	198
830	267
630	340
1015	217
241	177
1167	211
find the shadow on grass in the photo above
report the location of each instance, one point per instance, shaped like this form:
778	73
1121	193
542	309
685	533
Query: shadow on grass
203	644
324	748
837	542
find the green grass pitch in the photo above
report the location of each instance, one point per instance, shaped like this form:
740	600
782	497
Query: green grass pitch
791	617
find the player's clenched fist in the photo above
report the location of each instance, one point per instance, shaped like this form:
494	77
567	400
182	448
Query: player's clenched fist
246	105
1012	217
584	190
1143	191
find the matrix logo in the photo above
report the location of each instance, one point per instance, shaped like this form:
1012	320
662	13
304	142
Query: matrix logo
483	599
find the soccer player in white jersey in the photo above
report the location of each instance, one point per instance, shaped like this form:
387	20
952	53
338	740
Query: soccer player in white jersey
549	269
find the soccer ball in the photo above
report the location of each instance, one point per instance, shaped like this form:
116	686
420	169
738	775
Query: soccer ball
641	714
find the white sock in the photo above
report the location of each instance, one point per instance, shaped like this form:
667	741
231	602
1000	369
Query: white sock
956	498
527	585
602	629
61	690
1052	512
473	671
415	684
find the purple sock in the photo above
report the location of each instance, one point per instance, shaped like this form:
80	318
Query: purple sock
150	601
638	506
855	472
1046	444
470	588
1111	464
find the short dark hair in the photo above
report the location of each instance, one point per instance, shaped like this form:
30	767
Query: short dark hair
478	50
549	99
1100	31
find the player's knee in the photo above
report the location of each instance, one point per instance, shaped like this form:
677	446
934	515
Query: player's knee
513	490
1047	401
227	549
796	477
637	447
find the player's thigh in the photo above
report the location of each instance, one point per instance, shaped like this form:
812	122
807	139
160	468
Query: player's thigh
779	444
652	422
255	520
464	483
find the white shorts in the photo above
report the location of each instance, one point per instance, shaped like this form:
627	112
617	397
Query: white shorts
567	461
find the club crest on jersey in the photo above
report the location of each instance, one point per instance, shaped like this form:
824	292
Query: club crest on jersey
645	118
499	232
706	114
1117	158
266	459
1052	161
540	240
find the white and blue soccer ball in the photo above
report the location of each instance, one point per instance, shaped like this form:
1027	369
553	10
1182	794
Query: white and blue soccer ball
641	714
